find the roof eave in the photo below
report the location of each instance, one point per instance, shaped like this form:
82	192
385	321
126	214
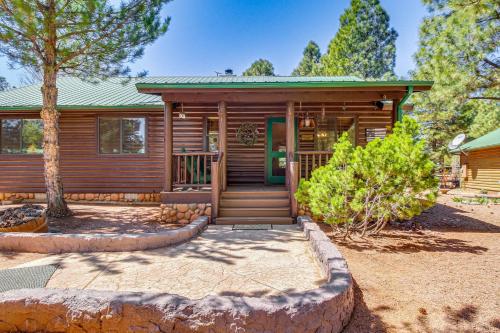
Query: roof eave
423	85
81	107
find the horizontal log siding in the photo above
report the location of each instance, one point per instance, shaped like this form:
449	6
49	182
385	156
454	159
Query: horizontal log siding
483	169
83	169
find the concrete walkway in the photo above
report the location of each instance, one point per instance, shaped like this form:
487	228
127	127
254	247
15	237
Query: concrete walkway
218	262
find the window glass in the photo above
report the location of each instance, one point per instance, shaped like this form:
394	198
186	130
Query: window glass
134	134
331	129
21	136
109	135
122	135
11	136
212	133
32	136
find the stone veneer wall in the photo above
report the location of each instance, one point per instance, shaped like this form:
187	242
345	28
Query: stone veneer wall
325	309
85	197
184	213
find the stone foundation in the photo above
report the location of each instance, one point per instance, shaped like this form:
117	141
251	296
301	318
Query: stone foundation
184	213
84	197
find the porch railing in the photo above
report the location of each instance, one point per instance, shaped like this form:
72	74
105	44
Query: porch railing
310	160
193	169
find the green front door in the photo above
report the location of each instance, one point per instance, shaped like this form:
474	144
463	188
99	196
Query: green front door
276	150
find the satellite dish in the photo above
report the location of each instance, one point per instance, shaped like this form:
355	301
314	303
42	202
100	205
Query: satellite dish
456	142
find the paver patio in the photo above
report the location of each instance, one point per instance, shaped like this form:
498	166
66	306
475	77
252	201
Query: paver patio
219	262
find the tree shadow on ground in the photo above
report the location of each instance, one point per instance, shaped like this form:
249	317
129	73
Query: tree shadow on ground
465	319
363	319
443	217
397	241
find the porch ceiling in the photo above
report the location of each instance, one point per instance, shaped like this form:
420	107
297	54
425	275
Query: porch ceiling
282	96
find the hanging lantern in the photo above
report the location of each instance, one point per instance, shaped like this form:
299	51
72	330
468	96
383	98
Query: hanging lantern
309	121
306	121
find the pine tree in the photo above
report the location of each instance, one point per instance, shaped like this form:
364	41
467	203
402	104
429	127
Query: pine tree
76	37
459	52
4	85
310	60
364	45
261	67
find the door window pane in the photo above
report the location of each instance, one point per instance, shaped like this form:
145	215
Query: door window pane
279	137
278	166
134	134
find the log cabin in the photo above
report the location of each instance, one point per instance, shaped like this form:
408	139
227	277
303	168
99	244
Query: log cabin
480	163
238	144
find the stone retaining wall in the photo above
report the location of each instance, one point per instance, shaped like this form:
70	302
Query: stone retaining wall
325	309
65	243
84	197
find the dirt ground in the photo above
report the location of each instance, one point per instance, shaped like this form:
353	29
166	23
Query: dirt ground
108	219
445	277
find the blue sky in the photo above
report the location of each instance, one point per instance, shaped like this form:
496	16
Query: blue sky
210	35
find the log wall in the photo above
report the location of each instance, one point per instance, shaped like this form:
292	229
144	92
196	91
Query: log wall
483	169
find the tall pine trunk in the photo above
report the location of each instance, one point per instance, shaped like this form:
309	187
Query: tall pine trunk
56	205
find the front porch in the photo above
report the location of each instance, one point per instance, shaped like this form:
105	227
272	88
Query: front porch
230	145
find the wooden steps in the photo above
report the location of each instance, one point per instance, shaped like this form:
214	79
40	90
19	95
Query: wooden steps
254	220
255	206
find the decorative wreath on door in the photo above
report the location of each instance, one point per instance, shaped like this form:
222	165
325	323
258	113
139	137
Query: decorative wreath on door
247	134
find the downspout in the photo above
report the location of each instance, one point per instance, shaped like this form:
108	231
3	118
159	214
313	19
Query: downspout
409	91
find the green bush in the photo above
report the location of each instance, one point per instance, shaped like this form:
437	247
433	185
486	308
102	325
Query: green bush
361	189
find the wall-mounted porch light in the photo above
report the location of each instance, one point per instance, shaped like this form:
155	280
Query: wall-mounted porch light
182	115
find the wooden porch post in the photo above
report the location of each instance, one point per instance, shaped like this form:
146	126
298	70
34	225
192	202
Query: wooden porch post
394	117
223	142
169	146
290	138
294	185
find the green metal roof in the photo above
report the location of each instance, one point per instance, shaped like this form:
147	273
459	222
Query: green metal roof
178	82
119	92
75	93
492	139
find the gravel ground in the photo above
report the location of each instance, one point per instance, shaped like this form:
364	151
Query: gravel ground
442	278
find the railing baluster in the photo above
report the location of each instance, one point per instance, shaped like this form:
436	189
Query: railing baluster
300	166
198	171
205	169
307	167
184	181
